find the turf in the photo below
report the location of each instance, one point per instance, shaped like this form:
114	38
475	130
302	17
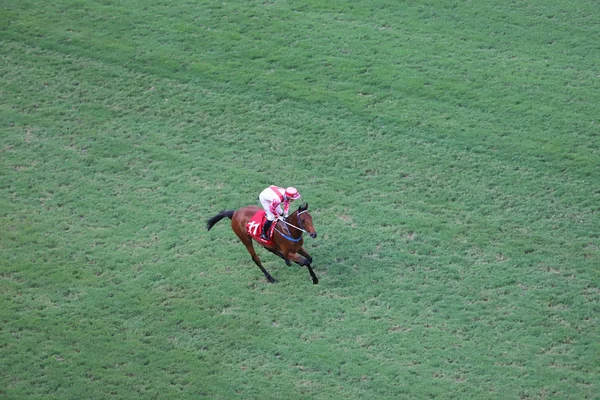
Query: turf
449	154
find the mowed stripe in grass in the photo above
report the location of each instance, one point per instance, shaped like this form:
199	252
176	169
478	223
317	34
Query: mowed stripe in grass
449	157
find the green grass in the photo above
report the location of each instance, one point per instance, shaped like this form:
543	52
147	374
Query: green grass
449	153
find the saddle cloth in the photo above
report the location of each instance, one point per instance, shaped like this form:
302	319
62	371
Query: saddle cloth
255	225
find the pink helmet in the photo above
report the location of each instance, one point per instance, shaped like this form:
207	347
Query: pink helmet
292	193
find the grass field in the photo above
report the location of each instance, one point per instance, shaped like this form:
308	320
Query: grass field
449	153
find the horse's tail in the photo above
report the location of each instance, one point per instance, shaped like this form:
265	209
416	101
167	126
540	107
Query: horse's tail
218	217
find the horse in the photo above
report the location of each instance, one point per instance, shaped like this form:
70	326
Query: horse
287	238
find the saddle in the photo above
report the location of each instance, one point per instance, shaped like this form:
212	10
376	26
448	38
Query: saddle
255	225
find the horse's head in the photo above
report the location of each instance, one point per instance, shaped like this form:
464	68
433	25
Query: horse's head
305	220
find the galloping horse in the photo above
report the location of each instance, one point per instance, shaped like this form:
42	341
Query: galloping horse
287	237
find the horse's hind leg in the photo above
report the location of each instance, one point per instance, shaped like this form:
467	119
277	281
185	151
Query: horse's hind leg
248	243
238	223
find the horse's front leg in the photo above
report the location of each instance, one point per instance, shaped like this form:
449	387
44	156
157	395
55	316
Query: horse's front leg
279	254
303	261
305	254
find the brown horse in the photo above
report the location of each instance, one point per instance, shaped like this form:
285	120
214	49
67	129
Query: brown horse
287	237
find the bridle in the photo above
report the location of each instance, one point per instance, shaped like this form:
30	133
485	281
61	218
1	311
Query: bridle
301	227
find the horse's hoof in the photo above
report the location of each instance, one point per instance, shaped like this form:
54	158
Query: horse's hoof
288	263
272	280
315	281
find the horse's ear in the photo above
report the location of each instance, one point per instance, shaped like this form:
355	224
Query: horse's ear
303	207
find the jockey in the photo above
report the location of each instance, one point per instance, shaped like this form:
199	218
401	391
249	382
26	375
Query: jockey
271	199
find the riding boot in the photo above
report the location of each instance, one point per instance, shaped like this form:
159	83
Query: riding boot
265	230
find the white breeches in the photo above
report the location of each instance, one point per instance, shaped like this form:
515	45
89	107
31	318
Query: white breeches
266	203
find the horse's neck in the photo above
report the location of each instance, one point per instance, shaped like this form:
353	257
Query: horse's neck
294	220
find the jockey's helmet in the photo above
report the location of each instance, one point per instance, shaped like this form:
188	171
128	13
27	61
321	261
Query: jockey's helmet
292	193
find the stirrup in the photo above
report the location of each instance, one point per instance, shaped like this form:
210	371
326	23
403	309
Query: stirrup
265	230
263	234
